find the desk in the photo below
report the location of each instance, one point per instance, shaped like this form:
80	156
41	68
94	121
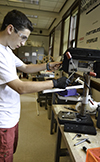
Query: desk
76	153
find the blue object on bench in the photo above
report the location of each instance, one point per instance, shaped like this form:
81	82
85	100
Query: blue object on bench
68	92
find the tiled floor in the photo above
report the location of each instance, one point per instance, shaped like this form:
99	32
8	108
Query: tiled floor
35	142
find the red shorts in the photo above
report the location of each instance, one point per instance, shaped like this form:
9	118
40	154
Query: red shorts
8	143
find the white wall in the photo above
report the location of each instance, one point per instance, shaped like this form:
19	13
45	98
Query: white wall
89	28
56	44
90	23
40	41
58	31
43	39
66	7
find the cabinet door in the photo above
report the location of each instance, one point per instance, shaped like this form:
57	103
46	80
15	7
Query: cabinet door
24	53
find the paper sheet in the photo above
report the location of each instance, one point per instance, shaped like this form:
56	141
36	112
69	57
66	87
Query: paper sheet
58	89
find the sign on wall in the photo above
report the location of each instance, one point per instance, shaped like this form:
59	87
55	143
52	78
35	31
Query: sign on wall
89	25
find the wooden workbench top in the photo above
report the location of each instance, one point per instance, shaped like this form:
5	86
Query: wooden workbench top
76	152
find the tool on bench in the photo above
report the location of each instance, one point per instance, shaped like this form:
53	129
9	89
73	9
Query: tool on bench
77	135
69	108
83	140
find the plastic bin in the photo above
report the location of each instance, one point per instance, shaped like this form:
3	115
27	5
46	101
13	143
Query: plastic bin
93	155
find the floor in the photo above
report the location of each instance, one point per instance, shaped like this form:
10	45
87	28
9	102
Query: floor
35	142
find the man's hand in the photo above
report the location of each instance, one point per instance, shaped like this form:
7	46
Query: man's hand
54	65
62	82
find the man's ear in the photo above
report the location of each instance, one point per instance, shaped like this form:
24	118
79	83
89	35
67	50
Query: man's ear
10	29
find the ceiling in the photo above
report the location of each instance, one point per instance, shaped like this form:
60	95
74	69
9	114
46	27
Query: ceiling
45	11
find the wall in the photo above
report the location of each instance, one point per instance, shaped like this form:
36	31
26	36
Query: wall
56	44
57	39
57	35
89	27
34	42
39	41
66	31
64	10
30	53
42	40
89	31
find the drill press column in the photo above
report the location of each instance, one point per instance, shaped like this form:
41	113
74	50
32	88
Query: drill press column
85	94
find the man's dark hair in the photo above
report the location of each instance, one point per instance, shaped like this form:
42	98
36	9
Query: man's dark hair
18	20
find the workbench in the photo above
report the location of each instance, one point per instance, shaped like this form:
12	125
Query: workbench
76	153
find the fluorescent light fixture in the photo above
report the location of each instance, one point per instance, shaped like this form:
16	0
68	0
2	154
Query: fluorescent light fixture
34	24
32	16
36	2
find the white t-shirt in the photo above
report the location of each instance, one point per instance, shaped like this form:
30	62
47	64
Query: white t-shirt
9	99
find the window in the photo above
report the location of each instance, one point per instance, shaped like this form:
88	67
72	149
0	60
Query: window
70	26
57	41
51	44
73	25
65	35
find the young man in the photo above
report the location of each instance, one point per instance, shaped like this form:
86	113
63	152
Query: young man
15	30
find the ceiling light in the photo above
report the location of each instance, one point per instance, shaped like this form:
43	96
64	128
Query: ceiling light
27	1
34	24
32	16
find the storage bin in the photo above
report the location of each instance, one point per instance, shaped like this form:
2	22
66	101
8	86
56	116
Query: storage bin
93	155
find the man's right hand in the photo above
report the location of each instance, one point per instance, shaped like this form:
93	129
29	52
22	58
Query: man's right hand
62	82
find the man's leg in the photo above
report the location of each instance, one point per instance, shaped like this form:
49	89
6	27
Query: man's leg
16	138
7	145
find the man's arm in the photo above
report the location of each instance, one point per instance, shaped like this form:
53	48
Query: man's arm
23	87
33	68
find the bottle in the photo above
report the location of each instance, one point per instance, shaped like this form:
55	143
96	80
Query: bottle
98	118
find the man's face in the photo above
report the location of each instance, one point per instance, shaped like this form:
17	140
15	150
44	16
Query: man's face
18	39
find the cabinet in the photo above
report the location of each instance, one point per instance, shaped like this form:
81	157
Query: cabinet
30	53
